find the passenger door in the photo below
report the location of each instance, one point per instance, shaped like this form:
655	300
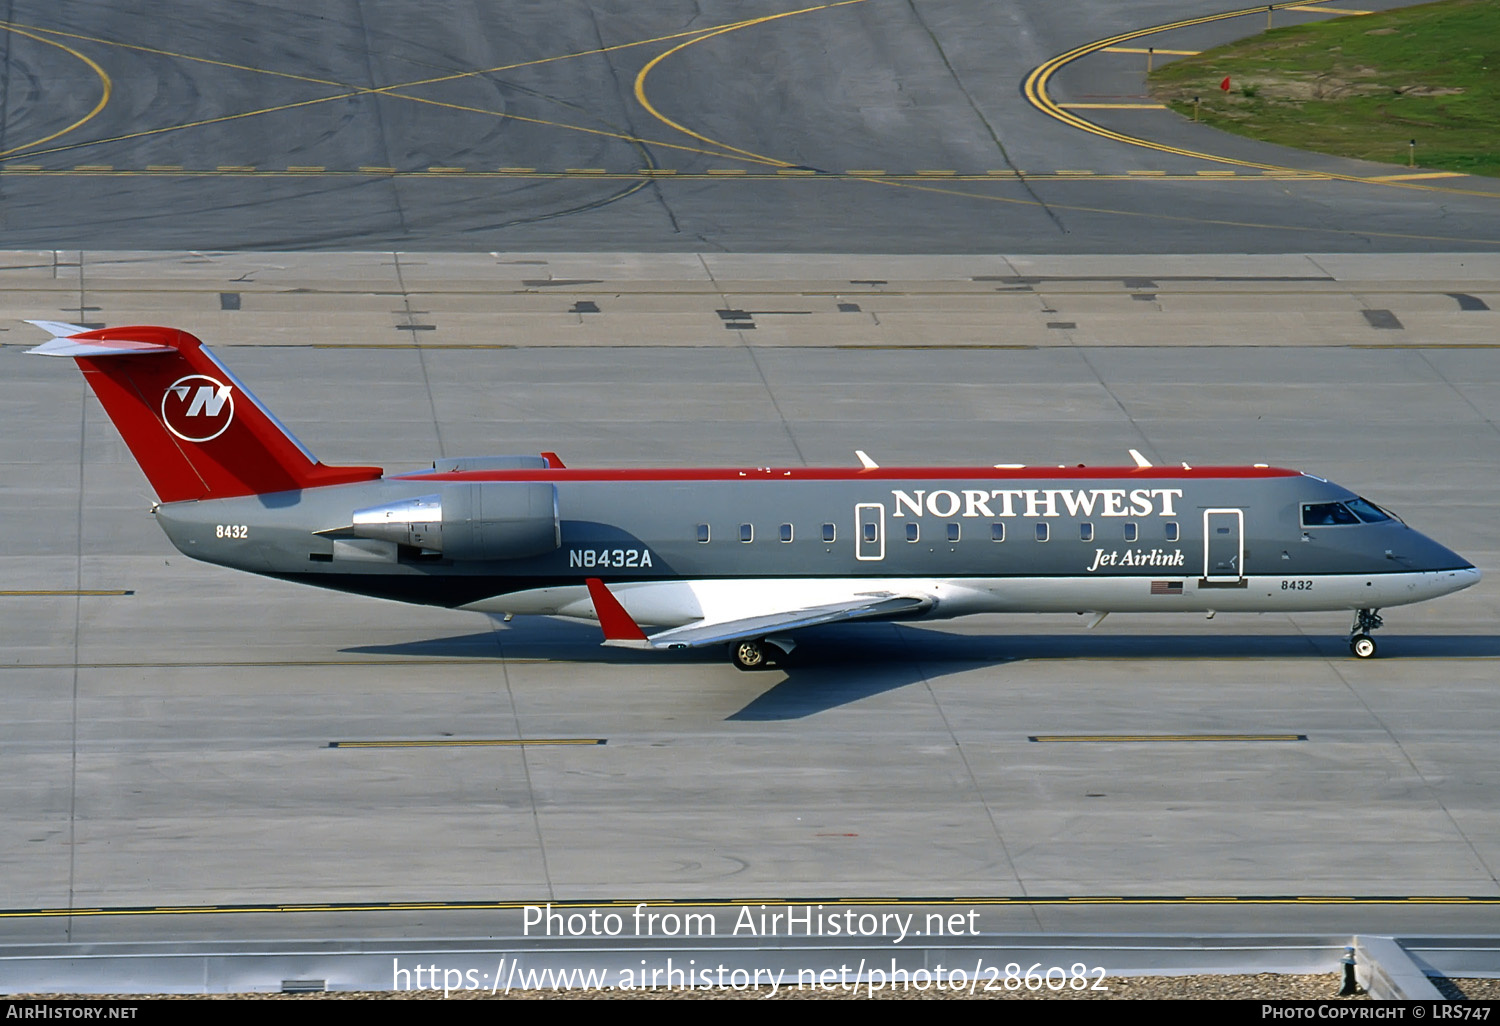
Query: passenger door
1223	546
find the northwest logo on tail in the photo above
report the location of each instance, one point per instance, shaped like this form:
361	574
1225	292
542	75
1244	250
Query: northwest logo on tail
197	408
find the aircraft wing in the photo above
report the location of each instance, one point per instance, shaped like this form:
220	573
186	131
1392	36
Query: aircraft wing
621	631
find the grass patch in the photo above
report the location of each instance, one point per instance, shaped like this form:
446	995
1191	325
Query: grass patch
1360	86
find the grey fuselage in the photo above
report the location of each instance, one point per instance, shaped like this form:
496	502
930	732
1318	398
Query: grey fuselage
1036	539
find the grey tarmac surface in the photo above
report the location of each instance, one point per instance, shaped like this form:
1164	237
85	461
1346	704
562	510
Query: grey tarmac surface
862	126
168	724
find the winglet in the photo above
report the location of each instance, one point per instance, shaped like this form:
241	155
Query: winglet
619	629
553	460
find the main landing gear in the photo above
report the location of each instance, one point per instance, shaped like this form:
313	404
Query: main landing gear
756	654
1360	642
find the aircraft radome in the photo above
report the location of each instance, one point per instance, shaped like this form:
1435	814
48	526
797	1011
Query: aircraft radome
740	557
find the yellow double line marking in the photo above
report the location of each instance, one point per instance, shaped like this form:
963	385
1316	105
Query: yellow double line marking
1035	86
1152	49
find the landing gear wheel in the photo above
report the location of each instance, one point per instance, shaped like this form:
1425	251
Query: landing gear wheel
1360	642
749	654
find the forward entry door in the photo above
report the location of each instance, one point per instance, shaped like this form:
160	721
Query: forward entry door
1223	546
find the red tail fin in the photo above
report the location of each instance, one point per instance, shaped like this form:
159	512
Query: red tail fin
194	429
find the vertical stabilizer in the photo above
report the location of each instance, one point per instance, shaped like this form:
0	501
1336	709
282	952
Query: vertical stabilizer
196	431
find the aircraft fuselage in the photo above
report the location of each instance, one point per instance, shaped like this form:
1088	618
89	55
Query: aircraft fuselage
977	540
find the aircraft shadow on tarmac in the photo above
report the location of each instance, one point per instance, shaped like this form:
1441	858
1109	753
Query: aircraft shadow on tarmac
840	665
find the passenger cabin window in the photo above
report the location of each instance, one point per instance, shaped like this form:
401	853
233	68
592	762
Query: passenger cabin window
830	533
1131	532
953	533
747	533
913	533
1086	531
1041	532
1171	530
997	532
703	534
786	532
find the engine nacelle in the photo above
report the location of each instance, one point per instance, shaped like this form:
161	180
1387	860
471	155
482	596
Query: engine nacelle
479	521
500	520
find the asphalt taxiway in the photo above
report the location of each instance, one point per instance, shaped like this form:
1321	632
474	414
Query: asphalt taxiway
860	126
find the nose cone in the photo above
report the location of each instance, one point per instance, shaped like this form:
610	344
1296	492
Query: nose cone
1447	570
1461	579
1422	553
1431	569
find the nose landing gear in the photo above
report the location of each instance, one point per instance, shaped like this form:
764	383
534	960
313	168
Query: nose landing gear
1360	642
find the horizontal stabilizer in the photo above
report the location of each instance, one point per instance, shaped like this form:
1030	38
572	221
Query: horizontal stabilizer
62	346
60	329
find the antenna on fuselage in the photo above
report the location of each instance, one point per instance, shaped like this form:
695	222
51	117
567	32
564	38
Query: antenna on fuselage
865	461
1140	461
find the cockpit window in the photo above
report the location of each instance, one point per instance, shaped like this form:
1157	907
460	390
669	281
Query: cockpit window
1367	511
1326	514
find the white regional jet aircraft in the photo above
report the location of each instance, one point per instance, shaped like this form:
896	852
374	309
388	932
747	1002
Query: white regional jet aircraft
740	557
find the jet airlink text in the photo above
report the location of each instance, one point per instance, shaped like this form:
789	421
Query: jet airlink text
1137	557
1037	502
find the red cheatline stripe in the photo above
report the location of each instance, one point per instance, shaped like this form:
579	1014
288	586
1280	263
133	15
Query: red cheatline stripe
854	474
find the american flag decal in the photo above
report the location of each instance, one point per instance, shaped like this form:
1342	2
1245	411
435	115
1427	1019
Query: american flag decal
1166	587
